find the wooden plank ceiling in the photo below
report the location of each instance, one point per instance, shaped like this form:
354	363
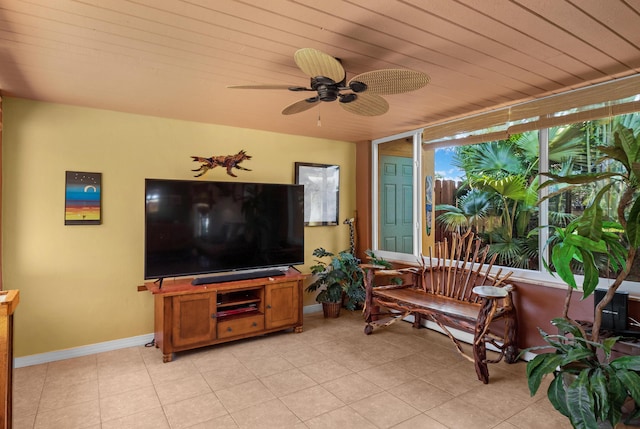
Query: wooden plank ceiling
175	58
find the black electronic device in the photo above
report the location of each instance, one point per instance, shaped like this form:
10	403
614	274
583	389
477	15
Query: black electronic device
239	275
195	227
614	314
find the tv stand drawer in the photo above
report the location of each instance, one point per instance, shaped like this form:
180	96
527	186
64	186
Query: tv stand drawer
240	326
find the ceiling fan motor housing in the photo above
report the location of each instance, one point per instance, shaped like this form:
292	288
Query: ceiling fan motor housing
327	88
356	86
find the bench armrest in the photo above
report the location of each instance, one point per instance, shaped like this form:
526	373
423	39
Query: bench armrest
490	292
387	287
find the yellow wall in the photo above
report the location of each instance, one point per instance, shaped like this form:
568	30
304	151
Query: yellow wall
78	283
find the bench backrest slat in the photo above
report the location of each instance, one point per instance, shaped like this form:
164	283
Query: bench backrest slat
468	261
455	268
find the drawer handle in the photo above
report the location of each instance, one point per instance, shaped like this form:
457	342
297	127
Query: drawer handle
229	329
254	324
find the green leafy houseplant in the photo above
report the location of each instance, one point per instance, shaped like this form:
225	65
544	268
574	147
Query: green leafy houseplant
340	277
588	386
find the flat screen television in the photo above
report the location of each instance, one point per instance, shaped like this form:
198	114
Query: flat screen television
200	227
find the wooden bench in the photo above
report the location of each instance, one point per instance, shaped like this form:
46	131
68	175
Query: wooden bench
454	289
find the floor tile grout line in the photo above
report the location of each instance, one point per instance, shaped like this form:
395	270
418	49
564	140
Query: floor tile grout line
316	325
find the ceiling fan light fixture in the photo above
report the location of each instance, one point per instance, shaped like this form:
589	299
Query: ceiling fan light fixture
357	86
348	98
326	87
327	94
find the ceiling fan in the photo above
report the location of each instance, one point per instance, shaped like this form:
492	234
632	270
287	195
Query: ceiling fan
361	95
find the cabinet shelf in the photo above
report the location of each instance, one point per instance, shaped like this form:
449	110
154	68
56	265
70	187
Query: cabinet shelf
225	304
237	312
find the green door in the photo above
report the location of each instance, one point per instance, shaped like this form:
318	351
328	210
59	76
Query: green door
396	204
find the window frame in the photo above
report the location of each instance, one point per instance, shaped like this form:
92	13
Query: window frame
537	277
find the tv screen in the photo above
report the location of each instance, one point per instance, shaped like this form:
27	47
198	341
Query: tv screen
197	227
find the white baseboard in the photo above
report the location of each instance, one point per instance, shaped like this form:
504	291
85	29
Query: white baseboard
314	308
465	337
82	351
527	356
106	346
141	340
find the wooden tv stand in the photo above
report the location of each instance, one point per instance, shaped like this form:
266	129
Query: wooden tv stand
188	317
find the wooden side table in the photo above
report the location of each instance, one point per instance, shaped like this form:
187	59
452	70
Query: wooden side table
8	301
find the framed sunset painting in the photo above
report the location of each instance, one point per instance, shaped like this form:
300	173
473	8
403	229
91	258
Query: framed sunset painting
83	198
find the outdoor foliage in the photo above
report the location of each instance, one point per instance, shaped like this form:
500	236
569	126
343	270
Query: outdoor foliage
497	198
499	193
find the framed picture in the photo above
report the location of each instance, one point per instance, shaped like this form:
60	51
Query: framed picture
83	198
321	192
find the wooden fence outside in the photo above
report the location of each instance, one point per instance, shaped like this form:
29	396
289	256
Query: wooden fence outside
444	193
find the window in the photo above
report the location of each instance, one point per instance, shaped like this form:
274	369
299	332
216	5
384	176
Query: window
487	178
495	195
578	144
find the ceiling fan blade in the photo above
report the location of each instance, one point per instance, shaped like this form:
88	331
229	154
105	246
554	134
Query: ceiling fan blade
392	81
262	86
315	63
300	106
367	105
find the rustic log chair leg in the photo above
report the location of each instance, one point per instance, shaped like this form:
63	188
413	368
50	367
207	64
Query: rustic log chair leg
368	302
417	320
479	344
510	343
510	346
480	361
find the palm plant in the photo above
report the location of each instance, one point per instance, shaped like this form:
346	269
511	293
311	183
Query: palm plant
517	200
472	208
500	198
501	178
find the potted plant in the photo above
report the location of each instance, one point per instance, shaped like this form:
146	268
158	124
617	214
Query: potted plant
340	280
589	387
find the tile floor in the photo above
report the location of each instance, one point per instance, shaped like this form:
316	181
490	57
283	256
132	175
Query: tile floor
329	376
